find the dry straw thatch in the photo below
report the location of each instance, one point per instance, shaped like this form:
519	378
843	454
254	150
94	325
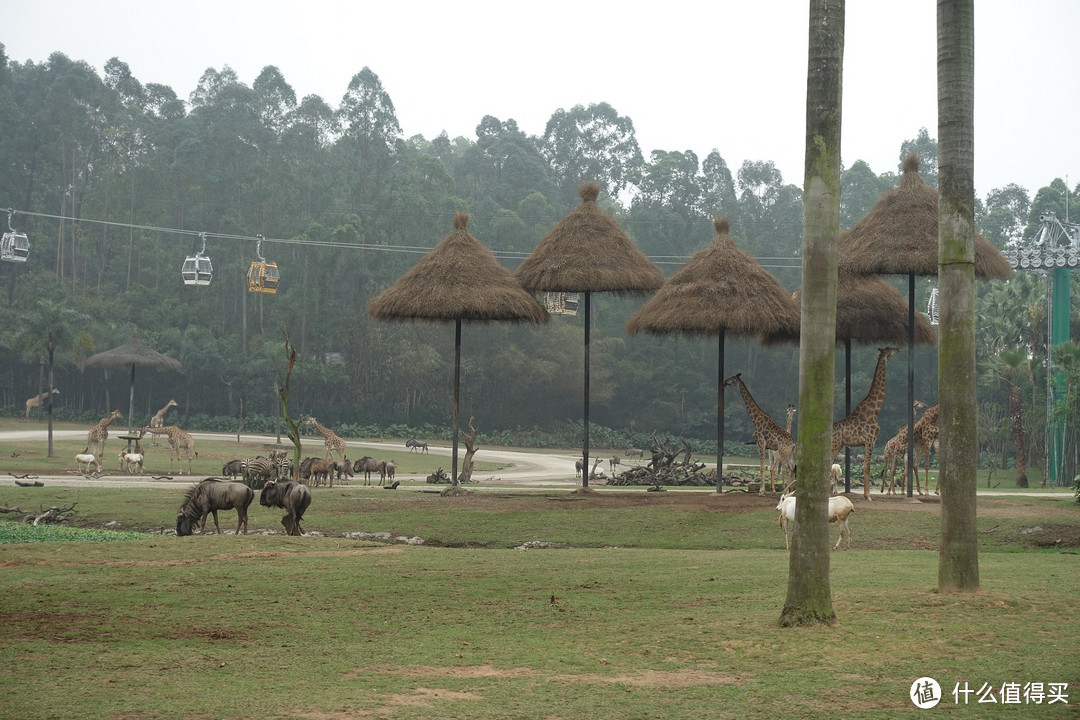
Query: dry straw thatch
721	288
899	235
459	279
869	311
587	251
128	356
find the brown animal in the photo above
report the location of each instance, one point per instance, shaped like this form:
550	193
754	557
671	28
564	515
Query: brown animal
368	465
861	428
767	434
207	498
95	439
36	401
178	440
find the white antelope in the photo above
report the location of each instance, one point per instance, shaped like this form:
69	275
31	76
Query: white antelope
839	510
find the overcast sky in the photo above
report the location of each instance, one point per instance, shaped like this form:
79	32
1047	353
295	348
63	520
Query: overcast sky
727	75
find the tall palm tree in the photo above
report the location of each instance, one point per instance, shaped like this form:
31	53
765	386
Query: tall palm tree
809	595
52	328
958	554
1011	366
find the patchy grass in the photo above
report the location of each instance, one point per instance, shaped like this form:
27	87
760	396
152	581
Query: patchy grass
651	607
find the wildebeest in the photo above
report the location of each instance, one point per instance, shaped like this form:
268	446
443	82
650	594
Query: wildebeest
391	468
343	471
232	468
368	465
317	470
293	497
415	445
208	497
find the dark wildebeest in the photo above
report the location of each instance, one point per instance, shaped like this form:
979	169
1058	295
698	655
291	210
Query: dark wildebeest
232	468
368	465
208	497
415	445
293	497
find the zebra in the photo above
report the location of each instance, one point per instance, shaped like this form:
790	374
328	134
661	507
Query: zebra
257	471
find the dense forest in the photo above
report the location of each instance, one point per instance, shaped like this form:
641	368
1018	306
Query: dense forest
115	182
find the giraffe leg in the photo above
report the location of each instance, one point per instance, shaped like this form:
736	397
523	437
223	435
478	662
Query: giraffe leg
866	472
761	450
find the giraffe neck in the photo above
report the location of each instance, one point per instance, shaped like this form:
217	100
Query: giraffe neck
875	397
756	413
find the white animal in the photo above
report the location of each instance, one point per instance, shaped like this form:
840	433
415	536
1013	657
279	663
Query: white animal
83	462
837	476
839	510
132	461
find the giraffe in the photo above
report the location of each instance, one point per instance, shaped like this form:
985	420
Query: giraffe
178	440
95	439
767	434
925	436
159	417
330	439
861	428
36	401
895	449
774	461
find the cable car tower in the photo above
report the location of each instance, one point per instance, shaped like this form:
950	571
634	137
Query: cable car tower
1056	252
197	269
14	247
262	275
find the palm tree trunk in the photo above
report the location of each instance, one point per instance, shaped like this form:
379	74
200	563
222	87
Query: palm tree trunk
958	554
809	594
1018	437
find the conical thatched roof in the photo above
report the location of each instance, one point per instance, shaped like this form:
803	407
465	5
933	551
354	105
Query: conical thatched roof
900	235
869	311
133	354
587	251
721	288
459	279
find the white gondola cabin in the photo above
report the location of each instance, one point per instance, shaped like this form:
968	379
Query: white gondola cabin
262	276
197	268
14	247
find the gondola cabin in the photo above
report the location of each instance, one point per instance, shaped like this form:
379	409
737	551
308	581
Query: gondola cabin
14	247
197	270
263	277
558	303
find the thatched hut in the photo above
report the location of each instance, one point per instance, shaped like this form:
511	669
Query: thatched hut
586	252
899	236
459	279
128	356
721	290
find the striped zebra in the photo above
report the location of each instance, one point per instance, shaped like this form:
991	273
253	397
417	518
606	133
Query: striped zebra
257	471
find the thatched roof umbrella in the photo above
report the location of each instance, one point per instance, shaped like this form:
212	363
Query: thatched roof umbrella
721	290
459	279
588	252
868	311
900	236
129	355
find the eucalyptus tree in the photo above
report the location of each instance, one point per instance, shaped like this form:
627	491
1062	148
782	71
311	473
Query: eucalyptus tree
1006	213
718	195
958	551
809	592
591	143
370	133
860	189
926	149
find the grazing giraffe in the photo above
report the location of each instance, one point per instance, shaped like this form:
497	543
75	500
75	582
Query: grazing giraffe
36	401
767	434
774	461
925	436
895	449
178	440
159	417
330	439
95	439
861	428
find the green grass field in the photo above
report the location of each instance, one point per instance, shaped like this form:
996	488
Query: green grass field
520	604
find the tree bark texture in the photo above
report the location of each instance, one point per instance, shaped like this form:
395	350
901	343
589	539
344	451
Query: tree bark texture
809	594
958	557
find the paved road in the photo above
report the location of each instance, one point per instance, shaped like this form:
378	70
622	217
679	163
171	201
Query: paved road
520	468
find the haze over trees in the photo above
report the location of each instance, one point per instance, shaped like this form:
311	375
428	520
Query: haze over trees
113	179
